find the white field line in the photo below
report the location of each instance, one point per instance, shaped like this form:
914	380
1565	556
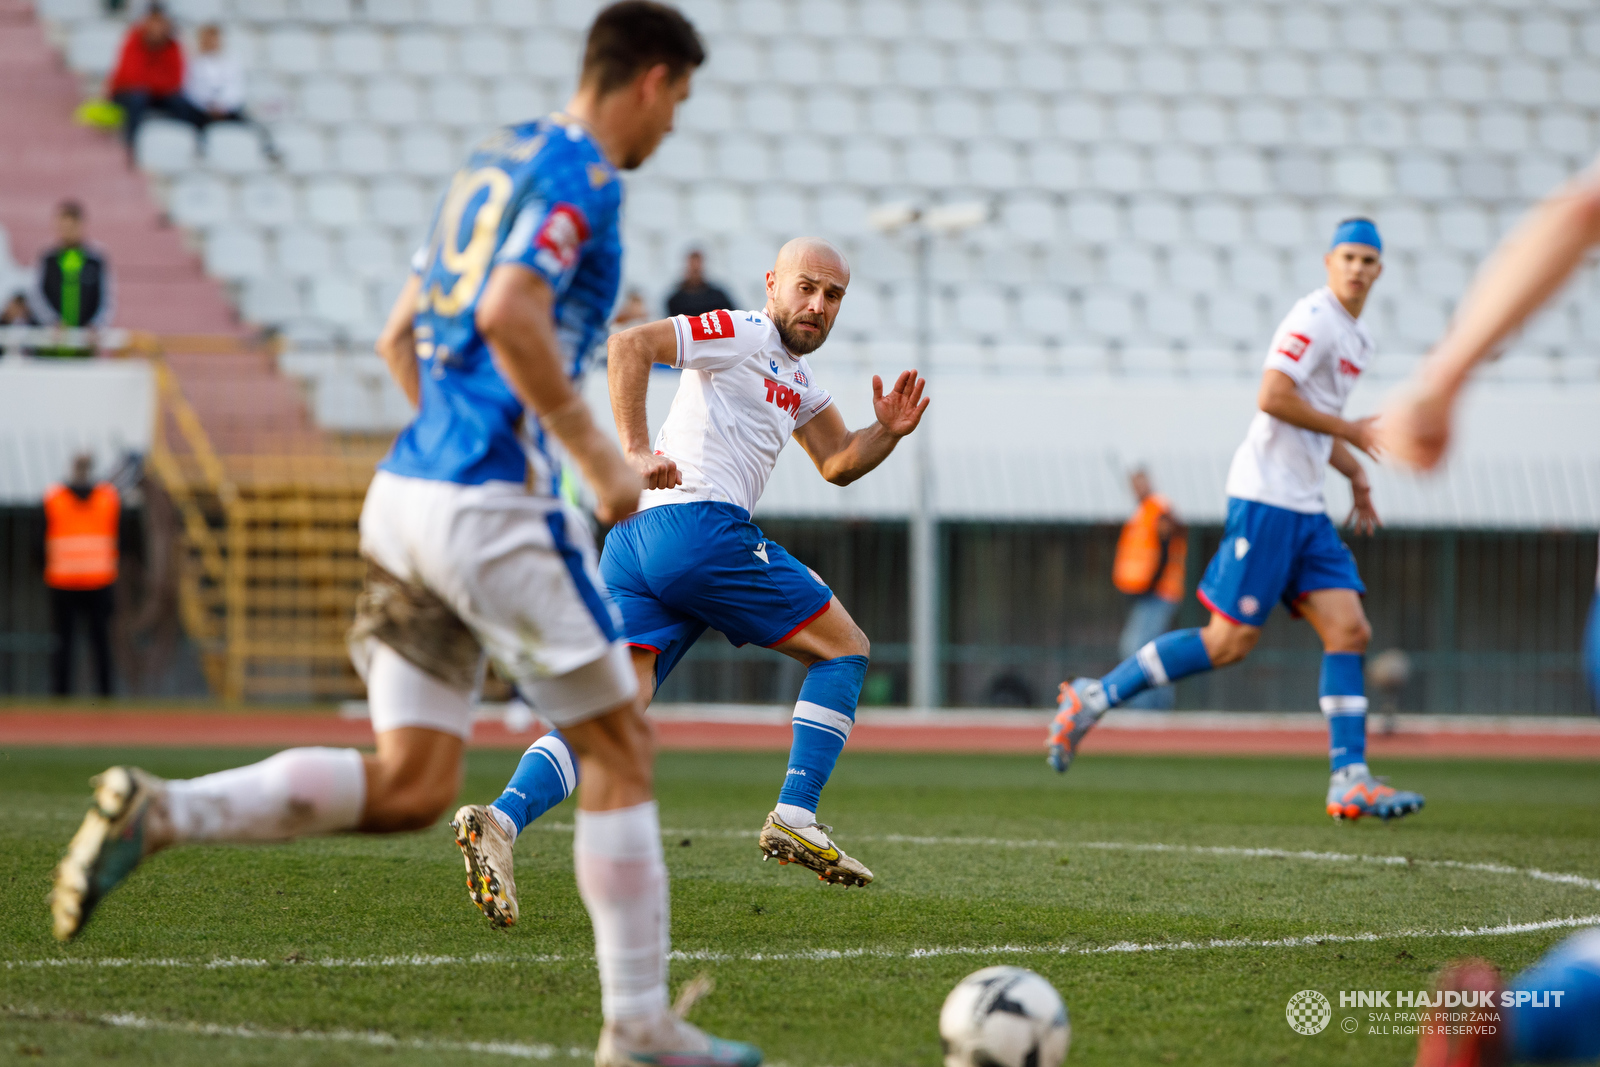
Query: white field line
823	955
934	951
375	1038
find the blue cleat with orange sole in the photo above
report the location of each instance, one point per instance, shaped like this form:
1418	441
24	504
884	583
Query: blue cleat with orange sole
1079	707
1351	797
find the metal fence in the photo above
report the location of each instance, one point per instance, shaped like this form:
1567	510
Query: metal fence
1492	621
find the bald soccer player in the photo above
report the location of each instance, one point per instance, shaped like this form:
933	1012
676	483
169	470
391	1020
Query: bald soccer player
691	558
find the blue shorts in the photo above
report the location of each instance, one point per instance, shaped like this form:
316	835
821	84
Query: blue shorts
676	569
1270	554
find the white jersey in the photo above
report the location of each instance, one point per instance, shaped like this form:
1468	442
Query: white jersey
741	398
1324	350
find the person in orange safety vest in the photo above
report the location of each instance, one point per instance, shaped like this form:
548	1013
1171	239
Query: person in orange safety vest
1149	568
80	552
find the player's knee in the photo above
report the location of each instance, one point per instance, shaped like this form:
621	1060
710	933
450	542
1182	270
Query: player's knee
415	807
857	643
1229	643
1353	636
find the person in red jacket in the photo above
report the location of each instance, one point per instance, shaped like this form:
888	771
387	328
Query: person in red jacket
149	76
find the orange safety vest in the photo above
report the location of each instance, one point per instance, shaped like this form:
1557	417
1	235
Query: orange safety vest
80	537
1139	553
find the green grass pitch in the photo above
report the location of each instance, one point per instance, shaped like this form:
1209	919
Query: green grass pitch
366	950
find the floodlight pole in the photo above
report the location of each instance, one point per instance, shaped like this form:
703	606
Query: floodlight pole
924	540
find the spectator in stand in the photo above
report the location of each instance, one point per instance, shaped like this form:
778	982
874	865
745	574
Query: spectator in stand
15	312
213	81
81	522
149	76
695	295
1151	554
72	286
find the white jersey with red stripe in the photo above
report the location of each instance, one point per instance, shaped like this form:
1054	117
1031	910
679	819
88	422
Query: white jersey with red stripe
741	398
1323	349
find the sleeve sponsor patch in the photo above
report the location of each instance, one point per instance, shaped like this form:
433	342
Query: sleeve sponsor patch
711	326
561	237
1294	346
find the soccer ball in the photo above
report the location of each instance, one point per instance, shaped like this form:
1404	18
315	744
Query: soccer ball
1004	1017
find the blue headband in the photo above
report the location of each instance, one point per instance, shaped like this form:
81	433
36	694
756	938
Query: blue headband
1357	232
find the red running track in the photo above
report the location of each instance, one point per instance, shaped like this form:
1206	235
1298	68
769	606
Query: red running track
77	728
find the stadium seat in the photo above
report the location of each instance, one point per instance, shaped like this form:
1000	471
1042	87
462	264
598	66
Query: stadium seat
304	149
68	10
326	98
234	252
362	150
389	12
339	299
455	101
232	148
1108	314
267	201
294	50
425	51
200	201
427	153
336	202
92	49
166	147
1132	267
304	252
358	50
393	100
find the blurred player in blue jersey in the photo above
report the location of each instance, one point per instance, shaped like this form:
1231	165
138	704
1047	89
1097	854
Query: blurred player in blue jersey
1279	543
472	552
1530	267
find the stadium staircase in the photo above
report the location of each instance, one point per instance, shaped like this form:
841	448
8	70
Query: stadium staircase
268	500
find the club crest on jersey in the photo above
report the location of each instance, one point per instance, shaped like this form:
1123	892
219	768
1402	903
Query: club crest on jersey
1240	547
559	239
784	397
711	326
1294	346
1349	369
800	377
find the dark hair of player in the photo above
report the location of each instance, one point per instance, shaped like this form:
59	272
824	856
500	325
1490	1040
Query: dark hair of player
635	35
71	209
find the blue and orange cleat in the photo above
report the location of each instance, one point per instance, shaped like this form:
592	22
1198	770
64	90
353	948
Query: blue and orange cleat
1079	707
1350	797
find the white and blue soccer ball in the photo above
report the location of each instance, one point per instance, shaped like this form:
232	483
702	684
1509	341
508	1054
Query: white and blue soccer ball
1004	1017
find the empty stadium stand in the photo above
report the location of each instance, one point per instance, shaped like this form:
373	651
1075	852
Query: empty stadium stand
1163	175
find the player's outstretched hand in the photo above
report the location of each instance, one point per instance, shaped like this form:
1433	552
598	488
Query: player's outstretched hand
1364	435
1416	426
1363	517
900	409
658	471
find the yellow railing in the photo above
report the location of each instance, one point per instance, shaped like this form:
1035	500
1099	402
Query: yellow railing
271	566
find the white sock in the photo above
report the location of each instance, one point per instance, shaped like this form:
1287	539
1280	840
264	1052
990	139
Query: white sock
1352	770
623	882
504	820
296	793
796	816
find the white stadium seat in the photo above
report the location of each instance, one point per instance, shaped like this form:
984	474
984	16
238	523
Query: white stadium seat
1170	315
393	99
919	65
1234	316
371	254
427	153
339	299
1045	312
425	51
866	161
358	50
744	159
459	13
1217	222
1094	219
327	99
335	202
267	201
233	148
326	12
521	14
199	201
1053	166
165	147
456	101
1156	219
234	252
780	210
1193	269
68	10
1108	314
771	110
294	50
270	299
1240	170
93	47
718	208
362	150
304	149
1131	267
895	113
304	252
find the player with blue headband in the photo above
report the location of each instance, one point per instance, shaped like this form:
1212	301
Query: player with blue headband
1279	543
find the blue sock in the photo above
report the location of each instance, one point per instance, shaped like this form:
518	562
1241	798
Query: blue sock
1344	703
1166	659
823	717
1541	1030
547	775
